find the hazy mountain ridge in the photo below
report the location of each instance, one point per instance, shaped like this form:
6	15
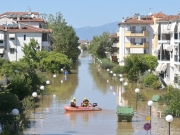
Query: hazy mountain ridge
88	32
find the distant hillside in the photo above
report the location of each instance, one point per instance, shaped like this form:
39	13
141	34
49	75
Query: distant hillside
88	32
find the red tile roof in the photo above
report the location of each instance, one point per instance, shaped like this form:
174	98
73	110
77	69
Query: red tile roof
33	20
133	20
159	15
18	13
169	17
27	29
113	35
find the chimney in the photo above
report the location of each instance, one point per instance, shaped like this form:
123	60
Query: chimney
123	19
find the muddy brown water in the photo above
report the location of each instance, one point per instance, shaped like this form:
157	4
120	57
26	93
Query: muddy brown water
91	82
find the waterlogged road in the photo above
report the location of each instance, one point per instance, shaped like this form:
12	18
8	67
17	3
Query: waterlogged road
50	117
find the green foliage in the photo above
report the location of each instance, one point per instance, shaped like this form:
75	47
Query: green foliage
65	40
30	52
171	98
20	86
100	44
84	47
8	102
55	61
106	64
136	64
5	132
118	69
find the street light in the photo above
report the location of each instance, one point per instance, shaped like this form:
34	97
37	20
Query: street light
114	78
121	80
108	70
34	94
15	71
42	88
47	82
150	103
120	75
149	70
15	112
169	119
137	92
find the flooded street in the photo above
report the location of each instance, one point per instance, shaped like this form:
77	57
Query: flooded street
51	118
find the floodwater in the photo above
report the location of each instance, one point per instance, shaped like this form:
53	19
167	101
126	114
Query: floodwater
91	82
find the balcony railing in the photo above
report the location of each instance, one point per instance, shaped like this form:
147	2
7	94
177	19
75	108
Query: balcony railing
164	57
136	45
137	33
176	58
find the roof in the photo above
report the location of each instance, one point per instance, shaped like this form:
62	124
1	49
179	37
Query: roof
27	29
18	13
159	15
133	20
33	20
113	35
170	17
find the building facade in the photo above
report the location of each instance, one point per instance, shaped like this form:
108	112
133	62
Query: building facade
17	28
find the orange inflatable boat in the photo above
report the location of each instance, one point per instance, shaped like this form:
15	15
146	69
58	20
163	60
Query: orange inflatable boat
80	108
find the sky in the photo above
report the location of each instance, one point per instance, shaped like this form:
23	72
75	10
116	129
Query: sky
83	13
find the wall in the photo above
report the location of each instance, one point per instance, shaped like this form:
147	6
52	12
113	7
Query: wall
19	43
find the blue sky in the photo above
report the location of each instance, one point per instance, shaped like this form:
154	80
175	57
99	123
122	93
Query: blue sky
81	13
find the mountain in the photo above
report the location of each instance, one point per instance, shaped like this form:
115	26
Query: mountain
88	32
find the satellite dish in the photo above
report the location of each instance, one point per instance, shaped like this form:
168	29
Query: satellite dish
32	15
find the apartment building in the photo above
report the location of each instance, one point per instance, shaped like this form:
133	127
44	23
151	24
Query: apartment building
17	28
168	50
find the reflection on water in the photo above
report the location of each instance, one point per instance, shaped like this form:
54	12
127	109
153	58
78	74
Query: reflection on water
91	82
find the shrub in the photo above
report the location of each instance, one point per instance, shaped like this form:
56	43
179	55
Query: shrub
118	69
106	64
152	80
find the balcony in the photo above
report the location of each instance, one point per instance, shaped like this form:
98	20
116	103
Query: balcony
118	44
164	57
137	33
141	45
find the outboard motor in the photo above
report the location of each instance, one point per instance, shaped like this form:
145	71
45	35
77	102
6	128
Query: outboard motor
95	104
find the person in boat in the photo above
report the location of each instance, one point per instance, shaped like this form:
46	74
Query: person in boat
73	102
86	103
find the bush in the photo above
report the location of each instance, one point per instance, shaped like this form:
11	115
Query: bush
118	69
151	80
106	64
5	132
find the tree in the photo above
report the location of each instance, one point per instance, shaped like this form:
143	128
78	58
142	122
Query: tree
100	45
65	40
136	64
55	61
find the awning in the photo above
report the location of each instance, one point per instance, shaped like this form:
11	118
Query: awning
1	36
11	35
1	50
158	67
137	50
165	46
163	67
169	48
172	27
156	28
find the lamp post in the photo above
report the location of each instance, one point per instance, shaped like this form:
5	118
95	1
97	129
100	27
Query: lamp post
47	82
149	70
114	79
34	94
42	88
108	70
54	76
169	119
121	80
150	103
15	112
137	92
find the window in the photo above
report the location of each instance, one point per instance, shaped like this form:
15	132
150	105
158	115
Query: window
133	29
1	41
12	38
133	41
24	37
143	28
44	37
145	51
12	50
143	40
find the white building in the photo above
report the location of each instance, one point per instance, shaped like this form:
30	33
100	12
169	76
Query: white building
135	36
17	28
168	49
